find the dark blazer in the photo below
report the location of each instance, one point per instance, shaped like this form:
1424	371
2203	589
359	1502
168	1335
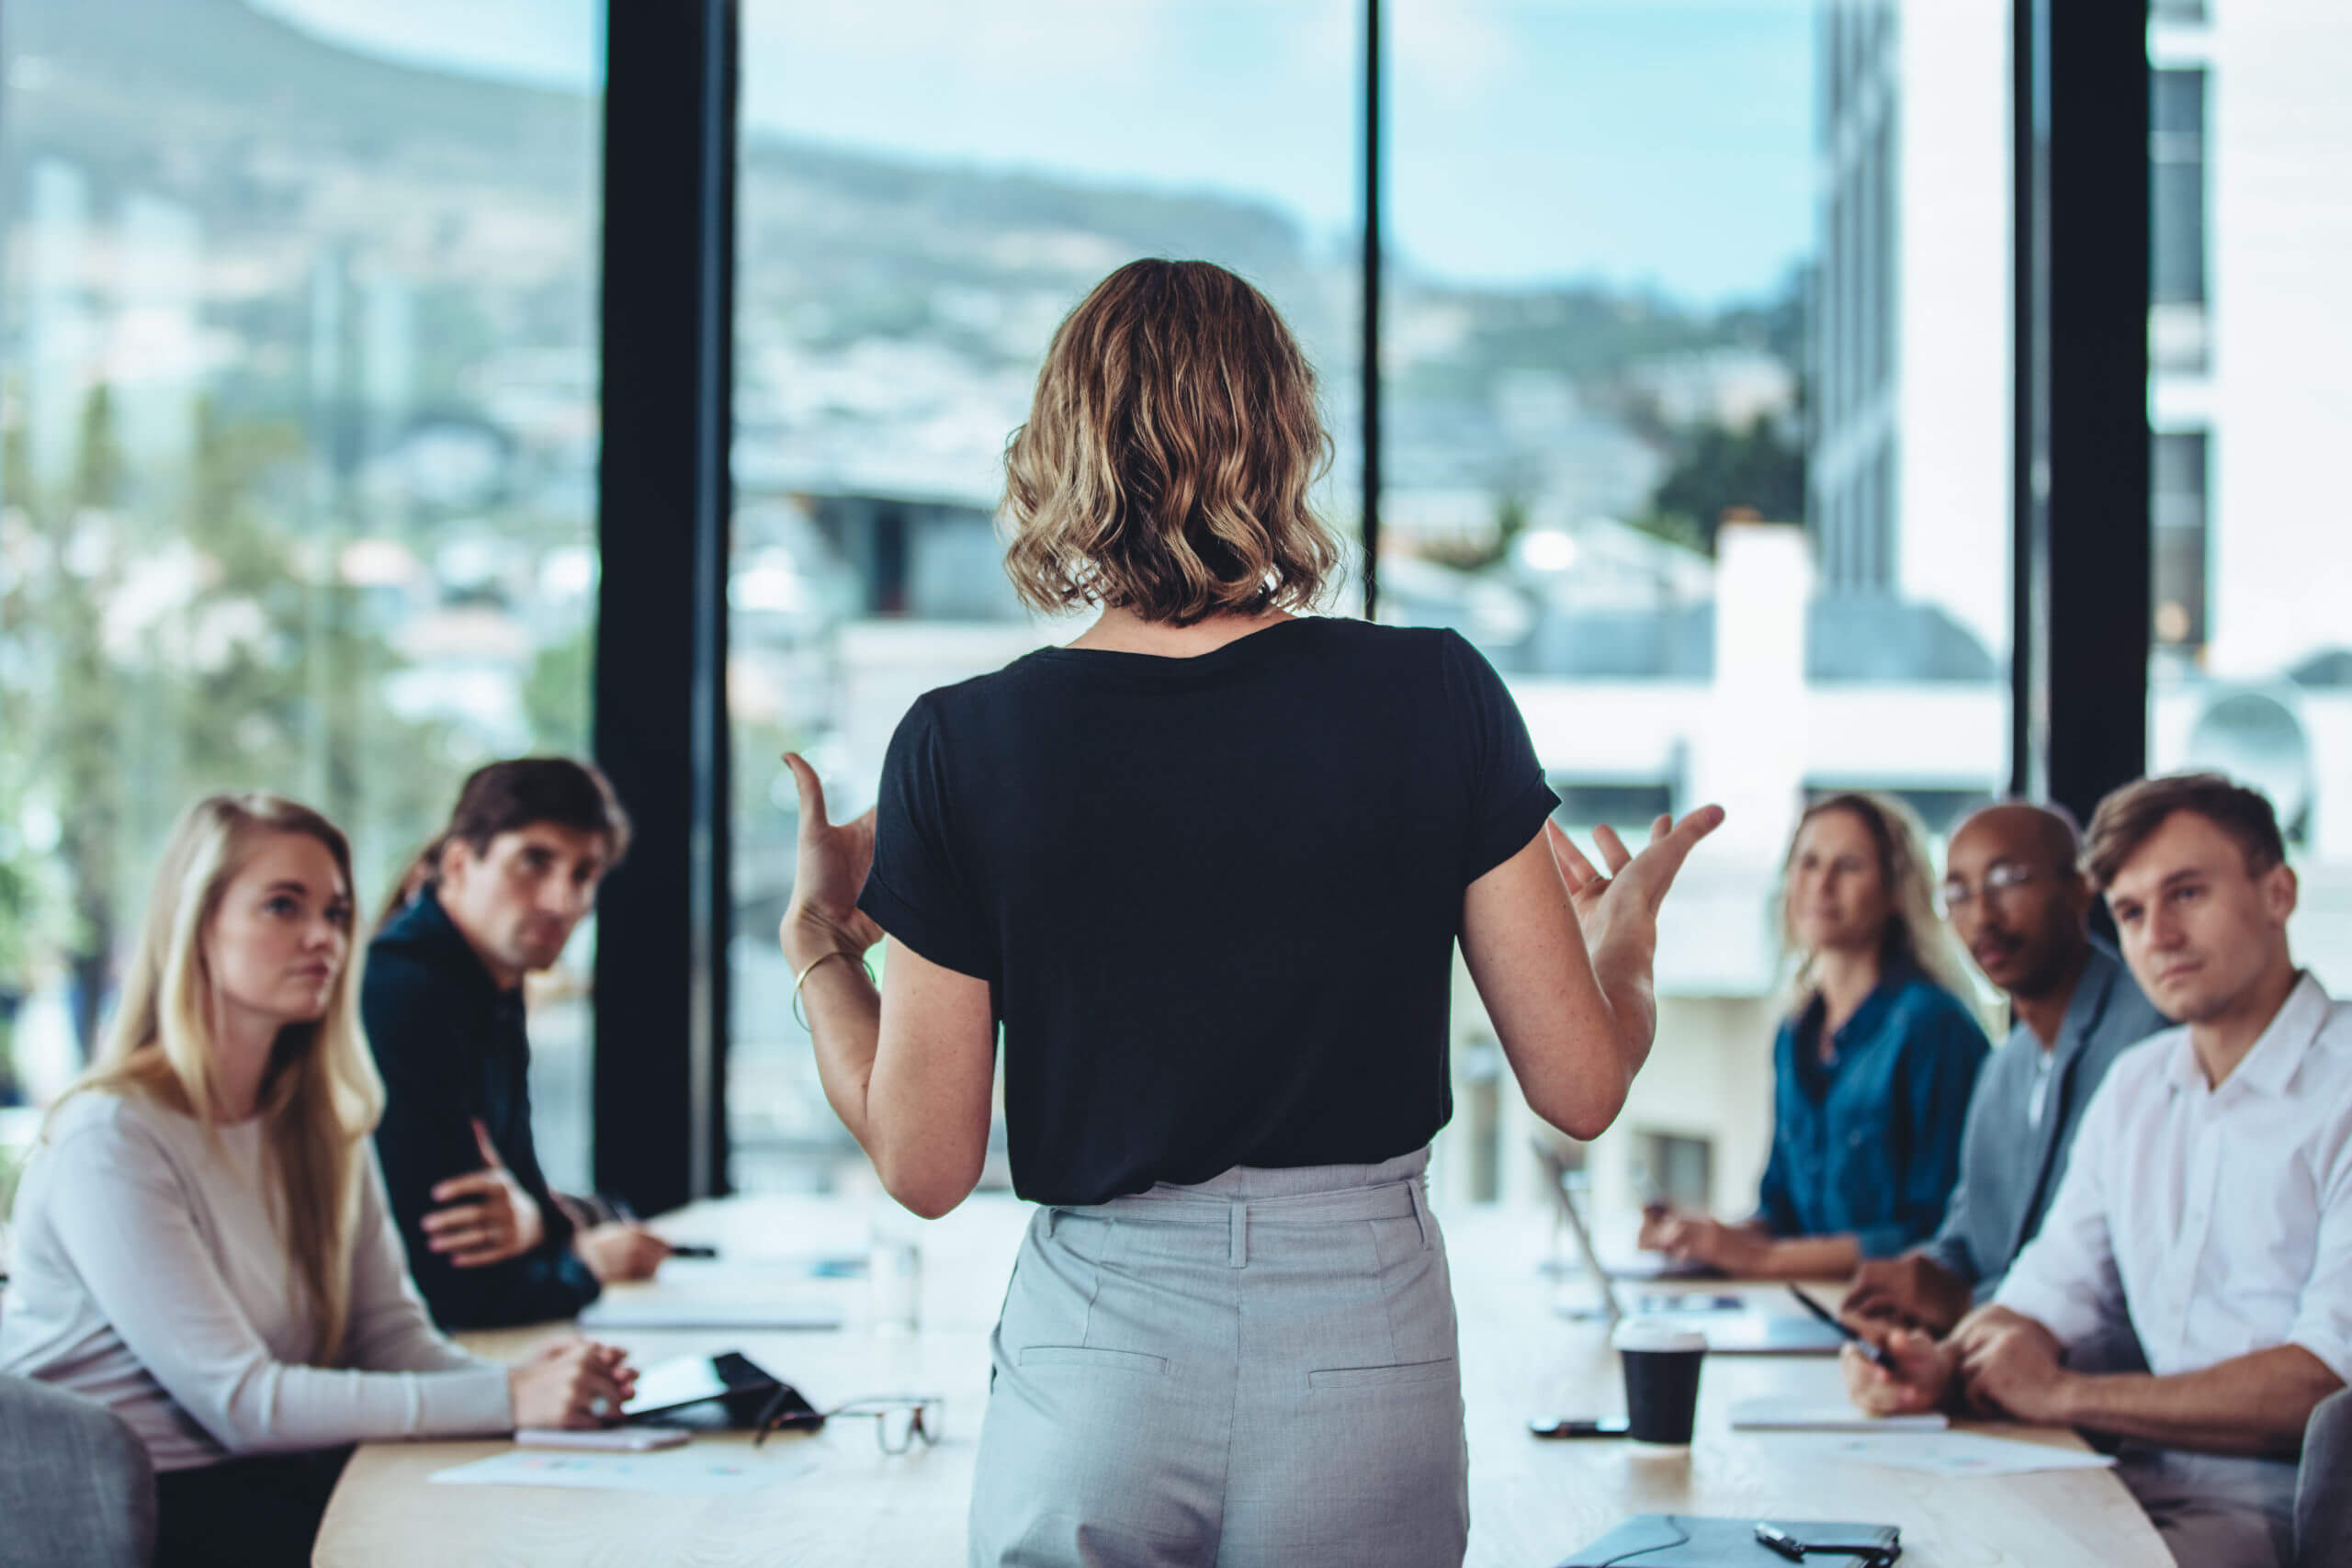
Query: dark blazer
450	1046
2008	1166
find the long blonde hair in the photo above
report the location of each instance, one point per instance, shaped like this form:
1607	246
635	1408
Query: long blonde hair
1915	934
319	1095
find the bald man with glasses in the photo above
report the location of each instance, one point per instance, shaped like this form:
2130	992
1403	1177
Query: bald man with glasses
2018	903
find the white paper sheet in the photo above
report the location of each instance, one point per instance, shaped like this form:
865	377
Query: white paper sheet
687	1472
1951	1454
699	1313
689	1293
1796	1415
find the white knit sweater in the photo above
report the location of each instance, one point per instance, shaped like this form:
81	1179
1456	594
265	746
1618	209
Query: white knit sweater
149	1275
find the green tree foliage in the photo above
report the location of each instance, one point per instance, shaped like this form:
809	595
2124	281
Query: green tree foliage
1716	468
1510	522
557	695
258	671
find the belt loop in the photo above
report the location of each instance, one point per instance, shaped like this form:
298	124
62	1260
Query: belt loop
1415	1184
1052	1214
1240	1224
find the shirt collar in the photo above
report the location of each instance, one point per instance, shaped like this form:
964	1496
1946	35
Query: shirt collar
427	927
1866	1019
2270	1066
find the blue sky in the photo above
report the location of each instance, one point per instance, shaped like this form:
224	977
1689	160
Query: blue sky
1658	142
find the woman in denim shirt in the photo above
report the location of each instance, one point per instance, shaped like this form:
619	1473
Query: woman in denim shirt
1873	1069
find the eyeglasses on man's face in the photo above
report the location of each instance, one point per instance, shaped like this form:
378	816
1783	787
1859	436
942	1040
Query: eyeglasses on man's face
2001	879
899	1421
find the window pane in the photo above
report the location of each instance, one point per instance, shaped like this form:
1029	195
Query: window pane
2176	167
923	197
2179	499
1698	425
297	436
2252	656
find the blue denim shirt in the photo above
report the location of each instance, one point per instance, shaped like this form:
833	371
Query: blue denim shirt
1868	1144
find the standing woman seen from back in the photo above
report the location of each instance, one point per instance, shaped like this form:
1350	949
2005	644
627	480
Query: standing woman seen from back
1205	867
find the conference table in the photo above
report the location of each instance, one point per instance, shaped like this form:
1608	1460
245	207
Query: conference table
837	1499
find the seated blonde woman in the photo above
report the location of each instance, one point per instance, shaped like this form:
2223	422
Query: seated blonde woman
202	1239
1873	1069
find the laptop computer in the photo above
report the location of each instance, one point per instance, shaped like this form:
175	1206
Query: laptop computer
1645	1265
1743	1333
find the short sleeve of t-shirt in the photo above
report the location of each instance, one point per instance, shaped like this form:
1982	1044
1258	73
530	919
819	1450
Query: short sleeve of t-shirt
1508	797
916	891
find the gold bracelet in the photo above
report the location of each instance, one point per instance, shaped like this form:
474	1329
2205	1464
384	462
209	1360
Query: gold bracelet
797	1016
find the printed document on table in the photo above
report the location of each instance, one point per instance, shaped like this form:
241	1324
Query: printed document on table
1950	1454
688	1471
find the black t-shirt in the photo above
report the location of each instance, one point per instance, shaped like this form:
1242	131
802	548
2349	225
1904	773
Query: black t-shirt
1214	898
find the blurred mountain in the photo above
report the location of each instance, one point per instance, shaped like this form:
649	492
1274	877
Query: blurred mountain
146	87
878	296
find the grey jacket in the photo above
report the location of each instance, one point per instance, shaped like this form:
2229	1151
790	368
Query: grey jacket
2009	1167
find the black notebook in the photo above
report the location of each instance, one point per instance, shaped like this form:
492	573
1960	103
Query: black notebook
1687	1540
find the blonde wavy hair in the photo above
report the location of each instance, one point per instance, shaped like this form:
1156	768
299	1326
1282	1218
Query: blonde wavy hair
319	1096
1915	935
1169	453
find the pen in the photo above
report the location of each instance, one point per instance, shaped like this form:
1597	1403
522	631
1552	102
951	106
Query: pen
1871	1353
1780	1542
627	1216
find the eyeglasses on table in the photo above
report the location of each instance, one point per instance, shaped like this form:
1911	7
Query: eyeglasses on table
901	1421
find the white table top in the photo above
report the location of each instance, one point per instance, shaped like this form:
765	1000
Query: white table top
1531	1502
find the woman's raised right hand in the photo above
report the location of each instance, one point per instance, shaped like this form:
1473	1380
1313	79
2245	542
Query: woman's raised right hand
834	859
575	1384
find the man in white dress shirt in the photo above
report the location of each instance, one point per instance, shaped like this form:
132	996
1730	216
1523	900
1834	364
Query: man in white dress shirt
2208	1207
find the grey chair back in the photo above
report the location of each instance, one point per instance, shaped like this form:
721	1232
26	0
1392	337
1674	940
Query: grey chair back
75	1486
2324	1486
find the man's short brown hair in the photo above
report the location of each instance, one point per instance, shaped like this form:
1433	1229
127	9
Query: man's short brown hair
1168	456
2130	816
505	797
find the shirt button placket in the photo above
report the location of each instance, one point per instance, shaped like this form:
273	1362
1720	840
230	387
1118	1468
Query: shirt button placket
2197	1224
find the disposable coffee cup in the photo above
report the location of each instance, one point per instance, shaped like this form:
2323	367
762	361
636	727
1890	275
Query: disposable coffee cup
1662	1364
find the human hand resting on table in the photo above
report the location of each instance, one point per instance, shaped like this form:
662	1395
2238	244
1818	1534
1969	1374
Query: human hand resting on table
823	916
1735	1250
490	1218
575	1384
2010	1365
619	1249
1920	1373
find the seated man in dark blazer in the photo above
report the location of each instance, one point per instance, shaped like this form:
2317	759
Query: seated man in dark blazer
2018	902
491	900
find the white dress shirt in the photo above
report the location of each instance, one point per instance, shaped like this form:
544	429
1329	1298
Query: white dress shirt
2215	1222
151	1277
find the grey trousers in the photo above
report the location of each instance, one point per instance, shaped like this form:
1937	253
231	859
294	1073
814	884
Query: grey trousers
2215	1510
1257	1370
